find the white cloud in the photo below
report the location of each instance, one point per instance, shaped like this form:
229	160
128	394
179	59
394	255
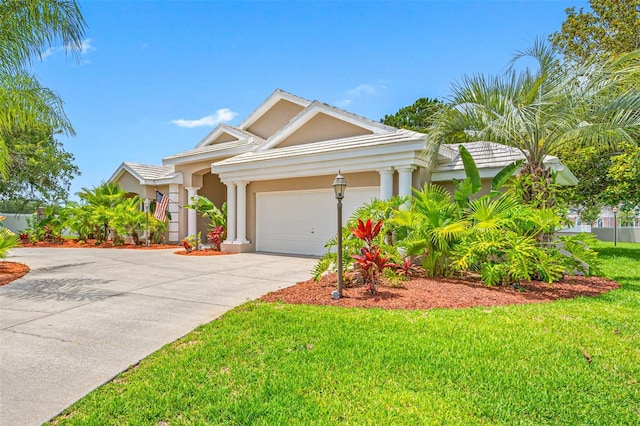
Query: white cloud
357	92
361	89
85	47
221	116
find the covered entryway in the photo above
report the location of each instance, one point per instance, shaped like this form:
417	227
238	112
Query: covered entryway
301	222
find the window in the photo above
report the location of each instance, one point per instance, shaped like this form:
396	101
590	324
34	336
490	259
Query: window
599	222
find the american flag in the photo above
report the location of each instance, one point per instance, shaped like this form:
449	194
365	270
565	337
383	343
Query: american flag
162	202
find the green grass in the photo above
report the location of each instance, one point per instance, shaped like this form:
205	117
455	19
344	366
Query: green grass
280	364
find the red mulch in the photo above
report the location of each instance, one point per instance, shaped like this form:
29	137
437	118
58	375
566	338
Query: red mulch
71	243
206	252
426	293
10	271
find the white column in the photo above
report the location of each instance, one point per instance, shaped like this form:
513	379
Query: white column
405	181
174	210
192	217
241	202
231	212
386	183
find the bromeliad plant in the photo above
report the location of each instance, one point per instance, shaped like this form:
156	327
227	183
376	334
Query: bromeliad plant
369	263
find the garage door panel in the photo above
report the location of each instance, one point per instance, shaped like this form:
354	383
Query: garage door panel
301	222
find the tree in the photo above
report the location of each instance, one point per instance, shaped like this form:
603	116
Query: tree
610	178
539	112
28	29
418	117
612	27
40	168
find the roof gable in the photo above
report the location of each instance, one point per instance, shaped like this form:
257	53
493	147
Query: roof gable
147	174
277	97
306	125
226	133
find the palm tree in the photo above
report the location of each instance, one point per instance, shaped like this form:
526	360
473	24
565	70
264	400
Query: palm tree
28	29
540	112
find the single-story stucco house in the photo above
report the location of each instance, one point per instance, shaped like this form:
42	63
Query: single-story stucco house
276	168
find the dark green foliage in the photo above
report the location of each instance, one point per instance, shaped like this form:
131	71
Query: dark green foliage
417	117
41	170
610	27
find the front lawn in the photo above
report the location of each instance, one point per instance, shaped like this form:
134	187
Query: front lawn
566	362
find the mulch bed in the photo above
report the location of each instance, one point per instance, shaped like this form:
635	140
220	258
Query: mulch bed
71	243
427	293
10	271
206	252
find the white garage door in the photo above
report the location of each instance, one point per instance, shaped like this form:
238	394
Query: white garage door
301	222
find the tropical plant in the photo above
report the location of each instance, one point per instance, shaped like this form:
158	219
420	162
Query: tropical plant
94	215
434	223
204	206
376	210
27	30
541	111
370	263
48	224
190	242
215	237
128	218
8	241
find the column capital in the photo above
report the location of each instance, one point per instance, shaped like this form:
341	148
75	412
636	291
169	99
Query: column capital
407	168
192	188
386	171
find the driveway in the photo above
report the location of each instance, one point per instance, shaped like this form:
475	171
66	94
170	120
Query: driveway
81	316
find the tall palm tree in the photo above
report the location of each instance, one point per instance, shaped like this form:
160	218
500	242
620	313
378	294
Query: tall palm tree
541	111
28	29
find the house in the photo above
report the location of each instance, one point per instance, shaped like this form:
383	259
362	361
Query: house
276	168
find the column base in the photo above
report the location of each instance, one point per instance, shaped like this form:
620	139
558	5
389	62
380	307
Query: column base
236	247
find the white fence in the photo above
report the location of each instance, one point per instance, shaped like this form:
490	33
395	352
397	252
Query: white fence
15	222
625	234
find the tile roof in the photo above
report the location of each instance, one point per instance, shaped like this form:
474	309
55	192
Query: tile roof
343	144
147	171
218	148
485	154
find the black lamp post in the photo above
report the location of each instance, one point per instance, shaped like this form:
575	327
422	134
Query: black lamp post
339	186
615	226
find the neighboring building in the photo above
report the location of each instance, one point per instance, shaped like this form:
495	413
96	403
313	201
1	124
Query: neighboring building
606	219
275	171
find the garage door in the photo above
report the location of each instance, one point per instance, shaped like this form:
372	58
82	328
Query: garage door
301	222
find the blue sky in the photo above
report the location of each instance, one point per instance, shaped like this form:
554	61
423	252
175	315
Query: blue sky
157	76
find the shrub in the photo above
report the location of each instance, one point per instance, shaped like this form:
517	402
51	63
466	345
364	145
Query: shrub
215	237
370	262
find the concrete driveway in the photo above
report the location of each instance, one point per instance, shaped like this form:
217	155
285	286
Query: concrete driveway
81	316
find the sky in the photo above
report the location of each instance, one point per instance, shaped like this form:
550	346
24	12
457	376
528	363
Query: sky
155	77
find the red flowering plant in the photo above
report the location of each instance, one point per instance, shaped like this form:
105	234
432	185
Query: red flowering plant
369	263
215	237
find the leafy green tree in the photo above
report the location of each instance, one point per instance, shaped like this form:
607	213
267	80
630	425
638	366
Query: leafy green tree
611	27
606	177
545	110
418	117
28	28
40	169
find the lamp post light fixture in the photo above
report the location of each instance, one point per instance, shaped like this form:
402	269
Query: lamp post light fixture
615	226
147	204
339	186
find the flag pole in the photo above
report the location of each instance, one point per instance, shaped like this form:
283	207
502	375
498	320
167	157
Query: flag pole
146	210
